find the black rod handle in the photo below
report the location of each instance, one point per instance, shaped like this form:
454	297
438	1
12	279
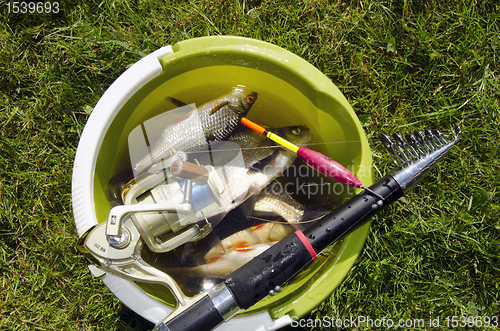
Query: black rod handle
202	315
283	260
268	271
275	266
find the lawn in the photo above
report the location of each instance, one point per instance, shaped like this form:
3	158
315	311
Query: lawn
403	65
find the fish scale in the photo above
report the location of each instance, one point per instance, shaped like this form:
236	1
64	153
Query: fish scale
223	266
280	203
183	142
211	122
219	126
254	146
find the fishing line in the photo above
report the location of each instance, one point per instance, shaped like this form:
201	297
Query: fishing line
335	142
272	147
263	147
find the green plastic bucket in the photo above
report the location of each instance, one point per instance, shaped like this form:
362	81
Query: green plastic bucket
291	92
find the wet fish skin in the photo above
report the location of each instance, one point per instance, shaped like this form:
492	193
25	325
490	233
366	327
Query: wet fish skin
225	264
212	121
276	200
253	146
256	147
280	203
229	109
242	182
259	234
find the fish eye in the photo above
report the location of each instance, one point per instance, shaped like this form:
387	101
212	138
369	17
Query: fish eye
296	131
250	99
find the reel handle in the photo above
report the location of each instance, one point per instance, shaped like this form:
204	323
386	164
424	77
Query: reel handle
188	170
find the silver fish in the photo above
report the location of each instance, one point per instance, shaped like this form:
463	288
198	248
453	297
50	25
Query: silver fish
253	145
274	200
237	182
212	121
259	234
244	149
242	182
224	265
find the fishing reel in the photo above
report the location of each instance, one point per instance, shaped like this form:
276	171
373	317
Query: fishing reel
158	211
160	206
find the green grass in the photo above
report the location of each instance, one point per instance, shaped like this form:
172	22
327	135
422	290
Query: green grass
403	65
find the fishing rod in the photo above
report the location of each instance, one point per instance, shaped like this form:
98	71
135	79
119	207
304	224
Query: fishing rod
265	274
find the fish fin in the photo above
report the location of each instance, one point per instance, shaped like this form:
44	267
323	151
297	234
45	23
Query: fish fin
251	192
258	226
240	244
244	211
216	250
213	259
244	249
218	106
176	102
